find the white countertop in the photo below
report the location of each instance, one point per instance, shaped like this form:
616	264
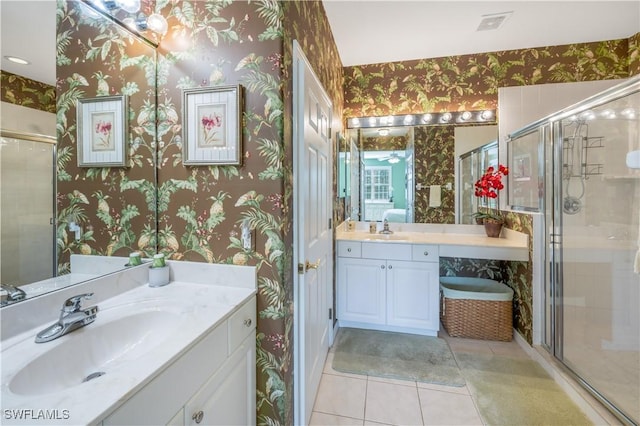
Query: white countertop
195	309
467	241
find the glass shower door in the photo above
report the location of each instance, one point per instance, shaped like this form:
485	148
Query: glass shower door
597	218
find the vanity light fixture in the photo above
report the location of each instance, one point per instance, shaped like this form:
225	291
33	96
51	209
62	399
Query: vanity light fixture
157	23
17	60
609	114
629	113
383	132
486	115
466	117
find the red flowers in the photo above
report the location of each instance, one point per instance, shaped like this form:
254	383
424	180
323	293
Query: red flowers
490	183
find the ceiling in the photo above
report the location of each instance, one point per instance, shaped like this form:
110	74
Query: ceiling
372	31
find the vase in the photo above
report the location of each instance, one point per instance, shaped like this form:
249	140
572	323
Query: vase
493	228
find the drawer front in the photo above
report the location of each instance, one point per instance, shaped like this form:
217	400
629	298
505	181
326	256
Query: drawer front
349	248
425	253
241	324
387	251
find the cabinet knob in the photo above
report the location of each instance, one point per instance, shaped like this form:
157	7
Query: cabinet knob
390	266
197	417
248	322
349	250
426	253
381	266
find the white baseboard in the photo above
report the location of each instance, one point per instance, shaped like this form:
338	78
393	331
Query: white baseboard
591	407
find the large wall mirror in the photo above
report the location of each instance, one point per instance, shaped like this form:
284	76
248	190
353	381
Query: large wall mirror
408	173
81	210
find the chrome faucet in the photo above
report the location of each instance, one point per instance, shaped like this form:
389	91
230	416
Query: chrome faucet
72	317
385	228
14	294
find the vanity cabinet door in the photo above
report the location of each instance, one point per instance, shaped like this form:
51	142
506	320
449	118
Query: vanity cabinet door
361	290
412	294
228	398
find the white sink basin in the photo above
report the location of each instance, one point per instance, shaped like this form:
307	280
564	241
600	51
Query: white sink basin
386	237
94	349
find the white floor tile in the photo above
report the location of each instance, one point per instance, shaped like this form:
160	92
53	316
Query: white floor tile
322	419
392	404
445	408
342	396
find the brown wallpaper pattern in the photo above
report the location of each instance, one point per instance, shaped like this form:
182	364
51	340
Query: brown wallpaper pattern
634	55
114	206
19	90
471	81
434	165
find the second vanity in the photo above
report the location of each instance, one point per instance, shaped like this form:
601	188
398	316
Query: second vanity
179	354
391	281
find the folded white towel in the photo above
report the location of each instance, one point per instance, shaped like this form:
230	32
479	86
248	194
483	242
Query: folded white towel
435	196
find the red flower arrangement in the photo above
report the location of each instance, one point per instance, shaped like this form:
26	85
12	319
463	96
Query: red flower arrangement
487	188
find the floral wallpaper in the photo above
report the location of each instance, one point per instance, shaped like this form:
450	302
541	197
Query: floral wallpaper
19	90
471	81
115	207
634	55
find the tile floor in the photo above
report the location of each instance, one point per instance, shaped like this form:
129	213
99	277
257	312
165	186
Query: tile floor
349	399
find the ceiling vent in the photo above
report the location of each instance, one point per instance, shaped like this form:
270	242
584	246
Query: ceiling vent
493	21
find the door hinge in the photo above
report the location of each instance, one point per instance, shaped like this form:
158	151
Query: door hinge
330	313
301	268
330	223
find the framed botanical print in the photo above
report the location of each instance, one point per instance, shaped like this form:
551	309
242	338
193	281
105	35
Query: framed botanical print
102	131
212	125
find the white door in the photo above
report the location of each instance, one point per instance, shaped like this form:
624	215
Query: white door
313	248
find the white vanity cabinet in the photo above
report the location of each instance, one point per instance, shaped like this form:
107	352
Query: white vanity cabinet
388	286
213	383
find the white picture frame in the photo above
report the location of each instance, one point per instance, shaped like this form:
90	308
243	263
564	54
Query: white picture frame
102	131
212	126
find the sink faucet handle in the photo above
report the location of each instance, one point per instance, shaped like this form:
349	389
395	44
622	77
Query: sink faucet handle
72	304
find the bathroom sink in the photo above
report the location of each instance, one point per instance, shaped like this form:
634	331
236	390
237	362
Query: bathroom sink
95	350
387	237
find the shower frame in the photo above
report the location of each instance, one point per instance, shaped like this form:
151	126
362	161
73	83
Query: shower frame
51	140
550	203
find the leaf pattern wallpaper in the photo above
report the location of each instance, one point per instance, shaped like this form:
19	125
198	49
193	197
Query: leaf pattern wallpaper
19	90
199	210
114	206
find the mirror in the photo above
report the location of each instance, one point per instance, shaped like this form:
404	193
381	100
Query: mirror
100	210
415	166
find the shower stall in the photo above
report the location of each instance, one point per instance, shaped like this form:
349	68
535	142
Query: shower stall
581	169
27	206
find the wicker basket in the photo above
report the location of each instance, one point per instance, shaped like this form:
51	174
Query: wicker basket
477	319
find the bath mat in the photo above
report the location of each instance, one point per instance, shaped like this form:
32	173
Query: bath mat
516	391
397	356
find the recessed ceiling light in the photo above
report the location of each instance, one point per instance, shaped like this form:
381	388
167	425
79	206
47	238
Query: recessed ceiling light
17	60
493	21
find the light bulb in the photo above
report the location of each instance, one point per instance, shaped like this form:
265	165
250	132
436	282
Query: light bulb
408	119
383	132
131	6
465	116
486	115
446	117
426	118
157	23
